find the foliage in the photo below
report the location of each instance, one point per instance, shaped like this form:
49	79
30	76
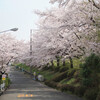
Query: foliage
56	69
91	94
93	62
51	84
46	68
48	74
76	62
71	72
7	82
1	81
59	77
66	87
63	68
64	81
71	81
98	96
24	66
77	73
89	70
80	90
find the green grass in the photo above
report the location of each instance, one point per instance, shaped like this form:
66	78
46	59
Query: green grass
76	63
25	67
55	63
7	82
48	74
71	81
77	84
66	81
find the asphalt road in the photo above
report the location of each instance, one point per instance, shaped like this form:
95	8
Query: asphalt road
24	88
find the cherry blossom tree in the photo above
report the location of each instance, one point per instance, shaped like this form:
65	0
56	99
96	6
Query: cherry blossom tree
65	32
10	48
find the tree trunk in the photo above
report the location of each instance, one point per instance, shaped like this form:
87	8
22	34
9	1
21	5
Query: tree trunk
52	65
64	64
9	61
71	62
31	70
2	63
58	62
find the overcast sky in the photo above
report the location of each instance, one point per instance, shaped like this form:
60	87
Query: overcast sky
19	14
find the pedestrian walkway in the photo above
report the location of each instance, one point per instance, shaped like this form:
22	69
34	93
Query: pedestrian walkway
24	88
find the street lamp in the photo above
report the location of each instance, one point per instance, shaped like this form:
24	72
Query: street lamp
31	49
13	29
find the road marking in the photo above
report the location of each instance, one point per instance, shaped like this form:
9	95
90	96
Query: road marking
25	95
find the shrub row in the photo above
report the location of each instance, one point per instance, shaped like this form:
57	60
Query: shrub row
59	77
67	87
81	91
63	75
62	69
51	84
92	94
98	96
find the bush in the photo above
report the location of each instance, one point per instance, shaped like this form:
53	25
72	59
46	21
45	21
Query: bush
77	80
86	82
89	71
76	74
71	88
66	87
45	68
85	75
1	81
59	77
93	62
51	84
63	69
98	96
56	69
62	87
7	81
80	90
91	94
71	72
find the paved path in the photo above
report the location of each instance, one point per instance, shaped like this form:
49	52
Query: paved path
24	88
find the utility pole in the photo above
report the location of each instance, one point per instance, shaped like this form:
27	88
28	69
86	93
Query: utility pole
30	50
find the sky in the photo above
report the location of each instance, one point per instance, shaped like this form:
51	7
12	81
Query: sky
20	14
